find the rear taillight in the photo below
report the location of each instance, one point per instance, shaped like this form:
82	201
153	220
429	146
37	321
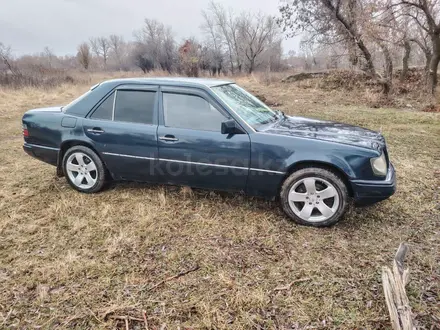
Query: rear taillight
25	130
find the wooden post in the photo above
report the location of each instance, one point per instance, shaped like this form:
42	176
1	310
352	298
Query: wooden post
394	282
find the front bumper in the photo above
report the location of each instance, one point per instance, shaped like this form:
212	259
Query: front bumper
373	191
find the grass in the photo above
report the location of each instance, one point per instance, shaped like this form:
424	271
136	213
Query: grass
69	260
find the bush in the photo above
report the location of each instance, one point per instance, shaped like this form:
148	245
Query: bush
35	76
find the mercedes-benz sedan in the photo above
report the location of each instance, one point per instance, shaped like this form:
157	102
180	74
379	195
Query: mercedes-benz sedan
210	134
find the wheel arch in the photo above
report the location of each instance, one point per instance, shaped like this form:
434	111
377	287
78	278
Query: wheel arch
320	164
66	145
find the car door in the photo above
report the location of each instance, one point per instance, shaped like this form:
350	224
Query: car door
123	129
192	149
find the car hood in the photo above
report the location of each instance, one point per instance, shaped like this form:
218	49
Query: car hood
327	131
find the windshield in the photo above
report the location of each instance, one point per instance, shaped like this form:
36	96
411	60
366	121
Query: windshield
248	107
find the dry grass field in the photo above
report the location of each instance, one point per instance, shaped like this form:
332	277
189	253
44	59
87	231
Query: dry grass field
75	261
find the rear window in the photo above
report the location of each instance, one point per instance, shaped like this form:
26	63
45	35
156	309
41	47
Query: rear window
71	104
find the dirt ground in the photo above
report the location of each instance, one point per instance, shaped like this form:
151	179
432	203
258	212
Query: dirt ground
69	260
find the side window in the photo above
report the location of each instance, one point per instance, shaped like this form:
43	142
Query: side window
105	109
135	106
190	111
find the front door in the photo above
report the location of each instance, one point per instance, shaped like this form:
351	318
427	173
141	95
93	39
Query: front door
192	149
123	130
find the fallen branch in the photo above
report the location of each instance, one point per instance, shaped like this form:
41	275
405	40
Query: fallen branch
196	267
144	314
394	283
287	287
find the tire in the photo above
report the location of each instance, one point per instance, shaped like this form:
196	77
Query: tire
83	169
322	207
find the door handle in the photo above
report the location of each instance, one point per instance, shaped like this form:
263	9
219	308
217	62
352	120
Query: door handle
95	130
168	137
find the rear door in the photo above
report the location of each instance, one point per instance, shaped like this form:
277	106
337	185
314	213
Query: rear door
192	149
123	129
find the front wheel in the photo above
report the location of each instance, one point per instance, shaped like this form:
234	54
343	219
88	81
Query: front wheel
83	169
314	196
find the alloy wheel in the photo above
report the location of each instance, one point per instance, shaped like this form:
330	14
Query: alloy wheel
313	199
81	170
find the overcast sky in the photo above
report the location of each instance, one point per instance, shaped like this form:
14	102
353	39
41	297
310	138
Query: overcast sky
30	25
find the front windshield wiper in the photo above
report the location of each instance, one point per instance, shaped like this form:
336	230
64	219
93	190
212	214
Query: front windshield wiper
280	114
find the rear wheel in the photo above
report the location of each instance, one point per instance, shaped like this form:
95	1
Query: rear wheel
314	196
83	169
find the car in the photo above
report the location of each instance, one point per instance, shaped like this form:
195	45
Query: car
212	134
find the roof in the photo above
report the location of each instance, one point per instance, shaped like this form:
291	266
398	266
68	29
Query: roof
173	81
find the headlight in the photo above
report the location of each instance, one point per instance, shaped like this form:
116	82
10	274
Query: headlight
379	165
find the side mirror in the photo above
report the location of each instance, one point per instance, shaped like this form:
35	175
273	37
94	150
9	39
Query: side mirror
230	127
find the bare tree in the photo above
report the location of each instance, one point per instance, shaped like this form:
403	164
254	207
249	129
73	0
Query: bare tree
233	25
84	56
387	81
327	22
348	22
212	53
6	58
387	32
101	46
240	39
167	55
406	44
211	60
274	55
49	56
422	39
159	44
395	29
116	45
256	34
426	13
225	24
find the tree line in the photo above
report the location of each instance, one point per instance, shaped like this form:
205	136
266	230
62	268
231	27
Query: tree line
379	37
232	43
